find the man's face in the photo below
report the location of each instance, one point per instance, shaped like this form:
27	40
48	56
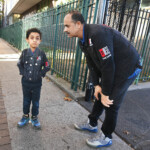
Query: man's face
34	39
71	28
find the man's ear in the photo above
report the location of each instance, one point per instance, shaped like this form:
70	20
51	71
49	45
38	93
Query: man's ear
78	24
27	40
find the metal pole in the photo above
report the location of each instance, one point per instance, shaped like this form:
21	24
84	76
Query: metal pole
122	15
106	10
135	20
55	42
101	11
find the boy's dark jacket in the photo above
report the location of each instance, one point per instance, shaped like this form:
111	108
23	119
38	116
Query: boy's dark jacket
33	66
110	56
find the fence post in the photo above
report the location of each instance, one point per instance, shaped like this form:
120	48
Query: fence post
55	41
135	21
137	78
101	11
122	15
76	70
78	57
106	10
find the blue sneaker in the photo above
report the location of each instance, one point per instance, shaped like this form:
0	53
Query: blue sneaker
24	121
100	141
86	126
35	122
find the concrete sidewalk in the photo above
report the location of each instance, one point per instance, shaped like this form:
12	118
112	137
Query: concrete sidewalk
56	115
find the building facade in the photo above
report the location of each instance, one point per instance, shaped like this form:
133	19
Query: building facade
18	9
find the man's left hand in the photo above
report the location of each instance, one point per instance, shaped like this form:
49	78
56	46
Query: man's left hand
106	101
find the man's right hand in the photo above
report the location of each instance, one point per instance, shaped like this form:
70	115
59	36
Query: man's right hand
98	90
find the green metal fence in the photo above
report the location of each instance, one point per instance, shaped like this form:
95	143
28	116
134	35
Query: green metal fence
134	23
142	42
67	60
65	56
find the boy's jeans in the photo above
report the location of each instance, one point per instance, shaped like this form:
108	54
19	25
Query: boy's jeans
31	93
111	113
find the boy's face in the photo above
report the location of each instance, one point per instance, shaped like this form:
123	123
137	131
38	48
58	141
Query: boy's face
34	39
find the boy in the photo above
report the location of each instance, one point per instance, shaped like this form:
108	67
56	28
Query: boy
32	65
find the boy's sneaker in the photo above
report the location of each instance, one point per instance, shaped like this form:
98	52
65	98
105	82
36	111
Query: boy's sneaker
24	121
35	122
100	141
86	126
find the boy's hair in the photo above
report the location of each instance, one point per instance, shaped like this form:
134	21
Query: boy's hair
33	30
77	16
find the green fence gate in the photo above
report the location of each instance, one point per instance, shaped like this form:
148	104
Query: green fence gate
134	23
67	60
64	54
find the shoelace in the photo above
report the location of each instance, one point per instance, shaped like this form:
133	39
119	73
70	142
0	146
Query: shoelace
85	125
24	118
35	120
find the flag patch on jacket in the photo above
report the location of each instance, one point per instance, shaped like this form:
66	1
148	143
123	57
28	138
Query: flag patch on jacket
105	53
38	58
46	64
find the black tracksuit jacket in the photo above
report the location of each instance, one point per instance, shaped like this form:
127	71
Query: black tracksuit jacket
110	57
33	66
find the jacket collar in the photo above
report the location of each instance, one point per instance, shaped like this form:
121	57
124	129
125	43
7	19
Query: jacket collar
85	36
36	52
83	40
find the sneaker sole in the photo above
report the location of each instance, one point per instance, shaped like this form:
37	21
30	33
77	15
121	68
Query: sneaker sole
109	144
84	129
22	125
36	128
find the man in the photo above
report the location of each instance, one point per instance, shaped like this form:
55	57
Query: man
114	64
